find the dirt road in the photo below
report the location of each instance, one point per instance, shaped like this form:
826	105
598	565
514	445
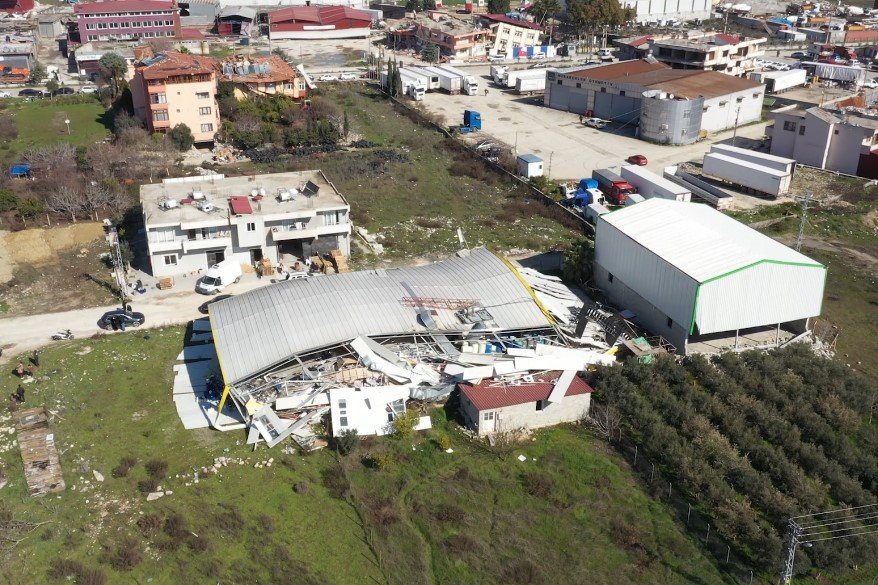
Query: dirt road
21	334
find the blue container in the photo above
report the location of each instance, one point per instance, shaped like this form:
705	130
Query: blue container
588	184
245	41
472	119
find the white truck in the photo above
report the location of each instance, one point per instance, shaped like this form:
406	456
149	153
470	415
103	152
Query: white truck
531	85
778	163
652	186
746	174
498	74
218	277
414	86
431	79
448	81
780	81
469	84
511	78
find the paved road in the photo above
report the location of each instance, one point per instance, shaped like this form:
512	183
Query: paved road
22	334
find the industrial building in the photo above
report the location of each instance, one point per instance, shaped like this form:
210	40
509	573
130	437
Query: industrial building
127	20
702	280
672	106
659	11
835	140
195	222
318	22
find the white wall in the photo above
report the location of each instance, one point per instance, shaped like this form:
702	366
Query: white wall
509	418
721	117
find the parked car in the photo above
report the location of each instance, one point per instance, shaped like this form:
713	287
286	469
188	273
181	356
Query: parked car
800	55
348	76
595	122
31	93
637	159
204	306
65	91
5	94
88	89
537	66
120	319
328	78
870	84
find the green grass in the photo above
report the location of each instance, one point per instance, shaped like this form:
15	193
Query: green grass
418	203
595	524
41	123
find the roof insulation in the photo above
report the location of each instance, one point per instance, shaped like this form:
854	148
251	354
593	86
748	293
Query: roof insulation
268	326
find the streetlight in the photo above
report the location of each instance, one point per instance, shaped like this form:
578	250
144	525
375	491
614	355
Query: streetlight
67	122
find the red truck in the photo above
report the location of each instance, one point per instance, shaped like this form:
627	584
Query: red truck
613	186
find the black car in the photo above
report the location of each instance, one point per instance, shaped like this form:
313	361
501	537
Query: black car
204	306
31	93
121	319
65	91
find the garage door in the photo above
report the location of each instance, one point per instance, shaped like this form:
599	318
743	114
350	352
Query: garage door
558	97
578	101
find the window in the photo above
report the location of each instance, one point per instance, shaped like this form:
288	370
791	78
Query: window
540	404
739	100
343	421
270	86
723	104
789	126
802	130
687	114
670	322
756	96
170	260
622	92
835	132
203	95
301	86
207	127
559	82
204	111
160	116
488	415
579	85
251	227
330	218
609	277
603	90
169	23
343	403
158	98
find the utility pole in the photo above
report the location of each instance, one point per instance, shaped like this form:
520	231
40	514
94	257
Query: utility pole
792	543
735	131
805	201
118	264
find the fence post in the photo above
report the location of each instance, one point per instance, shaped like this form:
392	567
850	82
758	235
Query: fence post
652	473
728	552
669	490
688	514
707	536
635	454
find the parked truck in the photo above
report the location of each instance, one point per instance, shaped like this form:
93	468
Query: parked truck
414	86
780	81
747	174
531	85
511	78
468	83
778	163
652	186
594	211
430	78
585	193
498	74
613	186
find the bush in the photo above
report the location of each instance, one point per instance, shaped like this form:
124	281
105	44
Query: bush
347	441
336	483
381	461
382	512
539	484
177	527
149	525
30	207
449	513
124	467
157	469
8	129
66	569
128	554
147	485
8	200
404	424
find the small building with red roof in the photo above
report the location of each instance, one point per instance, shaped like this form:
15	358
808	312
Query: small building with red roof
494	405
318	22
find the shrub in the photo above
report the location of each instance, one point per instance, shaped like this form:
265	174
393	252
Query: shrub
181	137
404	424
8	129
81	574
147	485
449	513
176	526
347	441
124	467
538	484
157	469
30	207
8	200
149	525
382	512
336	483
128	554
199	544
381	461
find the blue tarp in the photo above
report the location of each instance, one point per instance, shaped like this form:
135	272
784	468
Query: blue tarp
21	170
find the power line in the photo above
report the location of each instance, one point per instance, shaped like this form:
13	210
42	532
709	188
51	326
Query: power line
838	511
854	519
842	536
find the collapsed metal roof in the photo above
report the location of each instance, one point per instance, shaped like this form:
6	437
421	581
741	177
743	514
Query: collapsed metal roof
271	325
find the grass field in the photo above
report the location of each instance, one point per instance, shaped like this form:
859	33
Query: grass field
415	188
571	513
41	122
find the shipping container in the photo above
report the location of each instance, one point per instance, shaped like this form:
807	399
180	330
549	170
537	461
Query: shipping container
778	163
531	85
650	185
450	82
510	79
469	84
746	174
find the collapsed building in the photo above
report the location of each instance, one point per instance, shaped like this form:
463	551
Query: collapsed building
359	348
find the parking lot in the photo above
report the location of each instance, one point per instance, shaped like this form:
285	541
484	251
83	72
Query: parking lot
570	149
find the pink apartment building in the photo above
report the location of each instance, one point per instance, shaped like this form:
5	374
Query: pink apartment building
119	20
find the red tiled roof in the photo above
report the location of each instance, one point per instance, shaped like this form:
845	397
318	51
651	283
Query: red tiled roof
173	64
191	34
491	394
512	21
620	69
639	41
240	205
278	70
728	39
318	14
123	6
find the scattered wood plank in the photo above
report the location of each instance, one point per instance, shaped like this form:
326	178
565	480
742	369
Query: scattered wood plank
42	469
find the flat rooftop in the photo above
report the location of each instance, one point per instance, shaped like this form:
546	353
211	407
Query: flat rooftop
219	191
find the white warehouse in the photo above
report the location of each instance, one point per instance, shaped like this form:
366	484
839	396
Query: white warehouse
702	280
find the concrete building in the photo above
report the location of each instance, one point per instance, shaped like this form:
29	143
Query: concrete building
318	22
115	20
672	106
236	21
725	53
456	39
194	222
175	88
831	140
509	33
658	11
87	57
263	75
702	280
493	406
51	25
16	6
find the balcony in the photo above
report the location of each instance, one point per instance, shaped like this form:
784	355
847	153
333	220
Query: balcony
166	246
309	232
207	243
157	88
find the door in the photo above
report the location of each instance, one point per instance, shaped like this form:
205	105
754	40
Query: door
215	256
487	422
255	255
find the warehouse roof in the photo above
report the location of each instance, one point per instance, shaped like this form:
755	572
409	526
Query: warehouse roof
491	394
322	15
617	70
699	240
268	326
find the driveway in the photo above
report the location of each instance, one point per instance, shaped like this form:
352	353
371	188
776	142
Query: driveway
22	334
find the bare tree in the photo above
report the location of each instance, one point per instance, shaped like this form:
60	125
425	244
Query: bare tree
100	196
57	157
606	420
66	198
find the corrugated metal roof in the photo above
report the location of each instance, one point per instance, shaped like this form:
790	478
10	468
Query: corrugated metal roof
267	326
617	70
491	394
698	240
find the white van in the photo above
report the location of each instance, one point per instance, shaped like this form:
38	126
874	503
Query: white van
218	277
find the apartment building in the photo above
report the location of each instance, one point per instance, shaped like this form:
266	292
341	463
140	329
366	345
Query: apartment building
729	54
121	20
173	88
843	141
263	75
195	222
510	33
